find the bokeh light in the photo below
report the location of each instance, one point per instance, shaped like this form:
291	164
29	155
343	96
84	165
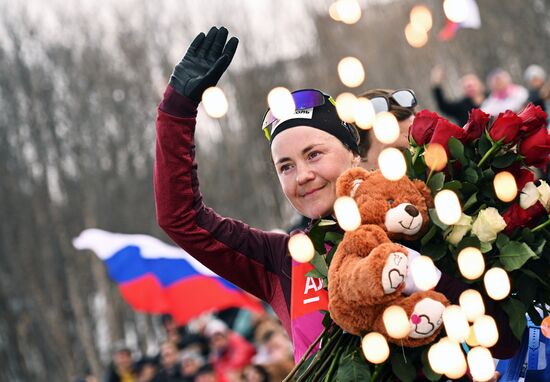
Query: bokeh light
455	10
447	207
424	272
505	186
363	113
481	364
375	347
386	128
347	213
214	102
471	263
416	36
351	72
396	322
472	304
333	11
345	106
348	11
445	357
392	163
301	248
456	323
485	329
435	157
281	103
421	17
497	283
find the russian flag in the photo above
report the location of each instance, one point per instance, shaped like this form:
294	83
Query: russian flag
471	20
154	277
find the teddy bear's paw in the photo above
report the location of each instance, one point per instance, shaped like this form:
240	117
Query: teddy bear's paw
394	272
426	318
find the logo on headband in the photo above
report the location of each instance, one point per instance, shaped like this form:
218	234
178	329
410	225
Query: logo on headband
298	113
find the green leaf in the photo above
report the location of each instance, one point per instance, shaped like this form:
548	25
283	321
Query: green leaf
502	240
353	368
314	273
468	241
470	202
454	185
435	251
469	188
405	371
427	369
334	237
505	160
527	235
330	254
514	254
429	235
471	175
408	160
516	313
435	219
326	222
484	144
538	246
533	275
320	264
485	247
436	182
457	150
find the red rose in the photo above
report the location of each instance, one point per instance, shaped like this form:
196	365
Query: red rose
536	148
517	217
444	130
423	126
522	175
506	127
476	124
533	118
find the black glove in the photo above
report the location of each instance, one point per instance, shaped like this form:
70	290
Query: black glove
204	63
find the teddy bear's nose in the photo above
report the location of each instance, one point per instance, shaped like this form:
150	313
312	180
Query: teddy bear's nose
411	210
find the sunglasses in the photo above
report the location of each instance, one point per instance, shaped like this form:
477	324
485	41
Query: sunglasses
402	97
303	99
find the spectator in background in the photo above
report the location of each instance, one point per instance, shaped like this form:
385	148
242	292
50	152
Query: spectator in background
146	369
170	368
505	95
191	362
473	95
206	374
122	367
401	103
230	352
257	373
535	77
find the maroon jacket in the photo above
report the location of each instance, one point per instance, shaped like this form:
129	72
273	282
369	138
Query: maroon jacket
252	259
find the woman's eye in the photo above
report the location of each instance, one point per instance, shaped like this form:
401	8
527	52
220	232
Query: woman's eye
313	154
285	168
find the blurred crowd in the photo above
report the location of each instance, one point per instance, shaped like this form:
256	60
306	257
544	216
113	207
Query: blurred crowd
233	346
497	94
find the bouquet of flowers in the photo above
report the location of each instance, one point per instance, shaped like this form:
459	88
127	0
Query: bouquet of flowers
498	239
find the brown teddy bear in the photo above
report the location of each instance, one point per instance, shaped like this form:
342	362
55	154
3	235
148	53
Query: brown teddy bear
368	271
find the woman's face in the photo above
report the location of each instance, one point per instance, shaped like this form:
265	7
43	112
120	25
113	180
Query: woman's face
308	161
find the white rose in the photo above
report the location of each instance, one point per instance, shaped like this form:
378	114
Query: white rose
488	224
544	191
529	195
456	232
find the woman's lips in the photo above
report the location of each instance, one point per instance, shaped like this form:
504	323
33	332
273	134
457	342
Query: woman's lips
311	192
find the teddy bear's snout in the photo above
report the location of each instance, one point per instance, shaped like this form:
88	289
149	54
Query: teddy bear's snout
411	210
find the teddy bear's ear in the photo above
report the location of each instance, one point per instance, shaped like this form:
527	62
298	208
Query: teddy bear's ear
350	180
425	192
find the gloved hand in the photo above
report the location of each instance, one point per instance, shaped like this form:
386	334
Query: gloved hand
204	63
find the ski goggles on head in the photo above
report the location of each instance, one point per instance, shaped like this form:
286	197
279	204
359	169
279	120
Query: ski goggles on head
303	99
401	97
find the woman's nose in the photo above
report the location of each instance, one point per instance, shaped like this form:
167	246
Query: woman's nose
304	174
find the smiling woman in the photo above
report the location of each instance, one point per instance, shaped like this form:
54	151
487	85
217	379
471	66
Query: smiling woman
310	149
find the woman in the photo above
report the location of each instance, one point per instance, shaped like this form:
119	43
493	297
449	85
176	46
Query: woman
401	103
309	150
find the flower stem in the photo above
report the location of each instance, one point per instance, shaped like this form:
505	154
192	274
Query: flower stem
304	358
493	148
429	175
541	226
